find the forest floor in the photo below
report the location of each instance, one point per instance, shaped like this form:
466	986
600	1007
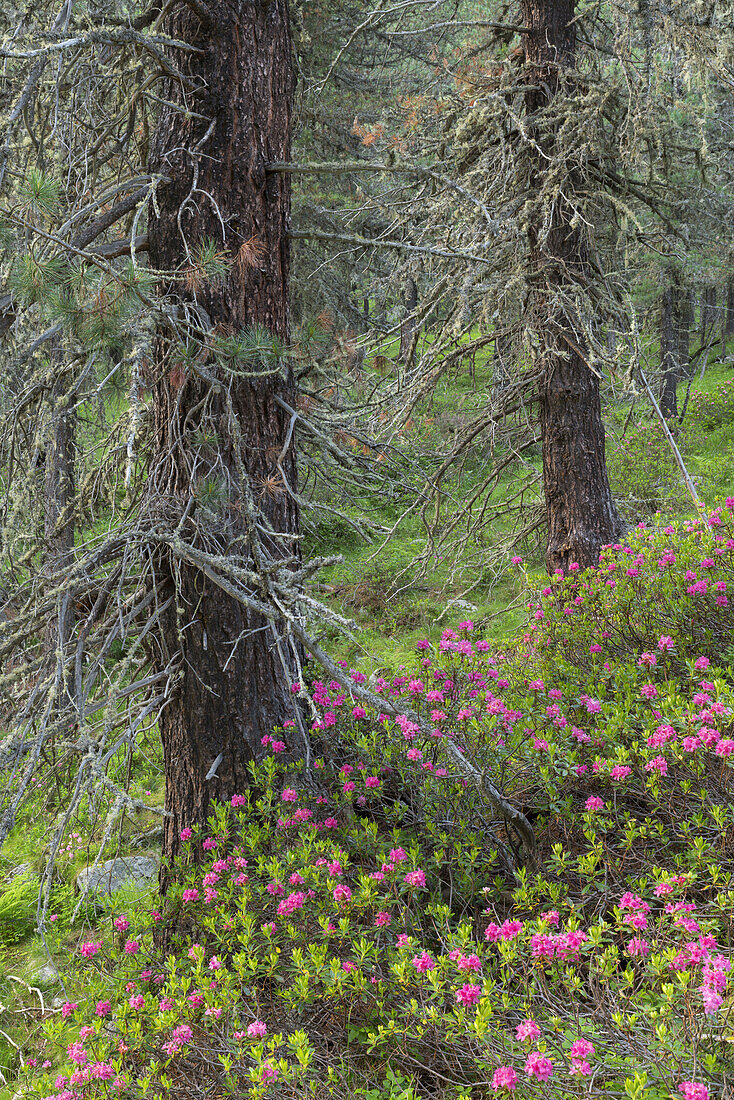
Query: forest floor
395	603
396	608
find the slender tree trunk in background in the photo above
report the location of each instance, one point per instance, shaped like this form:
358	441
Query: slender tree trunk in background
708	311
59	500
730	308
669	348
501	363
234	681
684	306
582	516
407	325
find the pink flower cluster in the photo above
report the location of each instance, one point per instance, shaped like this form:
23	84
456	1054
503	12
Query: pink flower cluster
558	945
180	1036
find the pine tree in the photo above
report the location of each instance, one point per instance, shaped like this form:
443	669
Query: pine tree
223	456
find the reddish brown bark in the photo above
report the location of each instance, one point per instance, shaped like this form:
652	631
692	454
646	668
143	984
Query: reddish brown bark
581	513
234	680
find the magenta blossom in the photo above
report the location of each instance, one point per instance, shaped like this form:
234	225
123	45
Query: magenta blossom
528	1029
537	1065
468	994
504	1078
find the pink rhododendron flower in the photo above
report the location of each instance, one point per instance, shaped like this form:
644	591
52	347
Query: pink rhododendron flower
537	1065
582	1048
181	1035
423	962
692	1091
257	1029
658	764
528	1029
294	901
468	994
77	1054
504	1078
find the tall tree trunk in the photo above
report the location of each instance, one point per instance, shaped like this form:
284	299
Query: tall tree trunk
582	516
407	325
669	362
235	674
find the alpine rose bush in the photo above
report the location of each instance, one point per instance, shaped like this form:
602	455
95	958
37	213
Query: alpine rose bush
355	938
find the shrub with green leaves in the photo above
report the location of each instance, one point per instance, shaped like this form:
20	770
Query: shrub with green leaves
642	471
355	932
18	901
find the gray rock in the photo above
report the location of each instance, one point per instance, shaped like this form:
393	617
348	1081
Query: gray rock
47	975
463	605
112	875
149	838
21	871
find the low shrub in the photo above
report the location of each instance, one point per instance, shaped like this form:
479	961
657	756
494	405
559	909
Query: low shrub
709	409
642	471
355	932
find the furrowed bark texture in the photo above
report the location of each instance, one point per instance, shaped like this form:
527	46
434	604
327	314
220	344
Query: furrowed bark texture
234	684
581	513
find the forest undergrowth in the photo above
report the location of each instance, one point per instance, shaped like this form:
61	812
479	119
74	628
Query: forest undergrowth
362	931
